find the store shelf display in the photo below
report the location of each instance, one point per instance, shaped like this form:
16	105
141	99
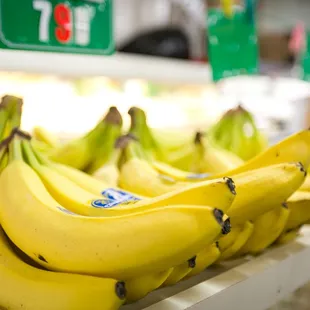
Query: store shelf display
140	214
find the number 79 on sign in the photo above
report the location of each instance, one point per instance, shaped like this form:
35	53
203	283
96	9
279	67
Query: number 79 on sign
72	24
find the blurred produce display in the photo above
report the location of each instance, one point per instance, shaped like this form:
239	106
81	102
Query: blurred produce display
73	209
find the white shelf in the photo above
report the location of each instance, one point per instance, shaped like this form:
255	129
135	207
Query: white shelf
255	283
118	65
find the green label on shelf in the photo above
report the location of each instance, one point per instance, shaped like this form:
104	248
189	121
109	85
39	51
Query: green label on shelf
305	60
232	44
67	26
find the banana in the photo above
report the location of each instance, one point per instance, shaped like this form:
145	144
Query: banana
43	135
213	159
140	129
180	272
79	152
219	193
204	259
267	229
299	205
295	148
288	236
259	191
62	241
237	132
227	241
305	187
240	241
139	287
138	176
26	287
104	152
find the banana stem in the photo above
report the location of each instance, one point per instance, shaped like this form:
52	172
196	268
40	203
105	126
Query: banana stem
29	154
3	121
15	152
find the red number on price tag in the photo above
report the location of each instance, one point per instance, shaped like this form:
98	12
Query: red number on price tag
63	19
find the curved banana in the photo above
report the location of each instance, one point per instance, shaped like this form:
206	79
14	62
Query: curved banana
214	159
219	193
79	153
109	172
267	228
61	291
180	272
258	191
240	241
139	287
43	135
295	148
62	241
205	258
299	205
227	241
288	236
305	187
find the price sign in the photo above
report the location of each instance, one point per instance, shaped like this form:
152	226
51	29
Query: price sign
304	60
232	44
69	26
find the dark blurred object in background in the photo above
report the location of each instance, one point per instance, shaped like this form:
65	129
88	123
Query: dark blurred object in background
165	42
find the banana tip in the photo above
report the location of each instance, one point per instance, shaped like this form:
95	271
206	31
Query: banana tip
120	290
192	262
302	168
231	185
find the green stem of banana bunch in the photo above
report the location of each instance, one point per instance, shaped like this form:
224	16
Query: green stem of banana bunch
29	154
15	151
3	121
14	106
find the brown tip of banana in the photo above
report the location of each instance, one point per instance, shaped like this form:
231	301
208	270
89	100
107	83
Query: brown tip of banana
284	205
219	214
217	244
192	262
113	117
226	227
231	185
123	141
198	137
302	168
120	290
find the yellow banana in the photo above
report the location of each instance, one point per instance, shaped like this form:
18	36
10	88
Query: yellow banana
139	287
61	291
295	148
138	176
180	272
259	191
240	241
299	205
67	242
227	241
205	258
219	193
267	228
43	135
109	172
214	159
79	153
305	187
288	236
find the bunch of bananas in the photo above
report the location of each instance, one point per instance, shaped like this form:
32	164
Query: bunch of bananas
81	204
237	132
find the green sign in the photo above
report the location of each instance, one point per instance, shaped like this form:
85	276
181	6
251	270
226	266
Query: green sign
68	26
305	60
232	44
